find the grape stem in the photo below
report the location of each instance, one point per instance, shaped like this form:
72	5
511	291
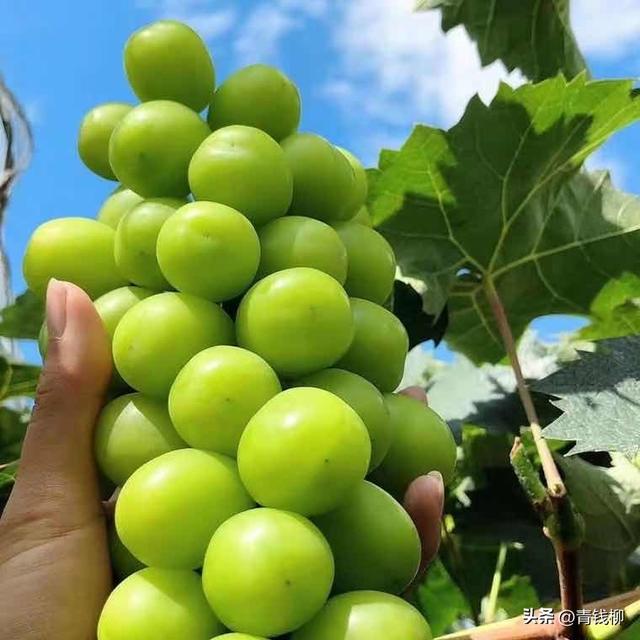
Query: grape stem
561	522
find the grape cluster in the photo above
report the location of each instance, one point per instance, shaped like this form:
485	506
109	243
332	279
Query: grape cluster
242	287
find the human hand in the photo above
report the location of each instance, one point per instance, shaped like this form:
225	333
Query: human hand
54	564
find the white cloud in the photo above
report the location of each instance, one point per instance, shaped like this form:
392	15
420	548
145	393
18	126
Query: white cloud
396	67
261	33
208	22
605	28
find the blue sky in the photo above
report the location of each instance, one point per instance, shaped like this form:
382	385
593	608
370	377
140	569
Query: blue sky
367	70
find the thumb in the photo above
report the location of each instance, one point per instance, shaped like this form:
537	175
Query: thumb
56	489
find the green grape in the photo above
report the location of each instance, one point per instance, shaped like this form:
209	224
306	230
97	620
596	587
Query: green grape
120	202
170	507
379	346
43	340
209	250
366	615
77	250
159	335
374	542
243	168
303	451
167	60
158	603
135	244
95	133
295	241
372	264
257	96
267	572
111	307
323	180
299	320
151	148
131	430
123	563
359	191
364	399
422	442
362	217
216	394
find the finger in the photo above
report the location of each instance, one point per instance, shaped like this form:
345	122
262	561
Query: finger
415	392
57	483
424	501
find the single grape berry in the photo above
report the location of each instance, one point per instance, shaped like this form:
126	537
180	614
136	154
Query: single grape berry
267	572
364	399
77	250
136	240
243	168
318	438
366	615
158	603
421	442
299	320
167	60
120	202
374	542
94	136
209	250
379	347
151	148
257	96
159	335
296	241
323	179
170	507
216	394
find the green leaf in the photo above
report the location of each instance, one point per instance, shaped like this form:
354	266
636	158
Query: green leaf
609	501
499	198
599	396
23	380
23	318
515	595
534	36
441	600
13	424
615	311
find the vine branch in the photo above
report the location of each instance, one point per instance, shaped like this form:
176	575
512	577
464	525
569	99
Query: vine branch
554	482
562	524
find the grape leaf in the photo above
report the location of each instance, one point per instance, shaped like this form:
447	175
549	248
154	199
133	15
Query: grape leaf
615	312
21	381
23	318
499	199
515	594
609	501
599	396
534	36
441	600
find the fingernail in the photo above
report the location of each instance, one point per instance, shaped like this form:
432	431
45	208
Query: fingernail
437	476
56	308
